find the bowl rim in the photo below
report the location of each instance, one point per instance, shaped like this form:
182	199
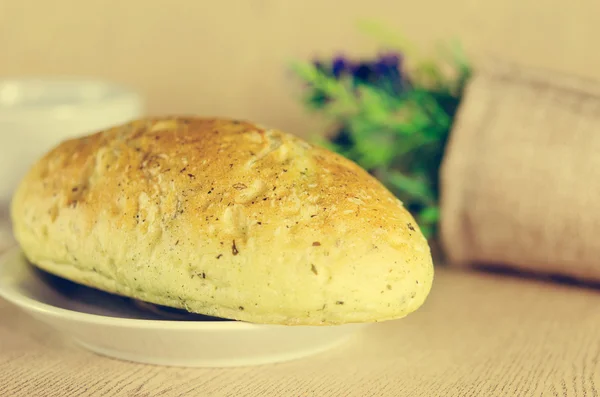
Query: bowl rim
11	293
113	96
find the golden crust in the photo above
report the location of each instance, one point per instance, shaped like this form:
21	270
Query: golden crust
223	218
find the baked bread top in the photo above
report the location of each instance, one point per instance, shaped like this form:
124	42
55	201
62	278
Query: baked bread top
223	218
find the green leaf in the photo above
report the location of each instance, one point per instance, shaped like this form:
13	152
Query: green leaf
416	188
305	71
374	153
430	215
427	230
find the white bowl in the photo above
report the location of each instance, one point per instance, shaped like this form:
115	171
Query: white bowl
38	113
118	327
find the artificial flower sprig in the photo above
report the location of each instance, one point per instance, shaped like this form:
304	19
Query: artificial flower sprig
391	119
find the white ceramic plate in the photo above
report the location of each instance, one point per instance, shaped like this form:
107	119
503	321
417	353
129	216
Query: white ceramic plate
121	328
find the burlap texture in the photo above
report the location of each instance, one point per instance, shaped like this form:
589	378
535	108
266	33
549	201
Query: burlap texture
520	181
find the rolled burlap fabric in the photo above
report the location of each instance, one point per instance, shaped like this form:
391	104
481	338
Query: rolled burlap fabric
520	181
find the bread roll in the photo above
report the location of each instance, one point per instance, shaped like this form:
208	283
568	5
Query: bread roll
223	218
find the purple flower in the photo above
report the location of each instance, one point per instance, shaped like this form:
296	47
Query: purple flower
363	72
383	72
387	64
340	66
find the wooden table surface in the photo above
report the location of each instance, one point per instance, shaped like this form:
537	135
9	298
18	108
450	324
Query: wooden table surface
477	335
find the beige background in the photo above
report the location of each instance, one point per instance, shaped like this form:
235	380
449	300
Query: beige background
229	57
